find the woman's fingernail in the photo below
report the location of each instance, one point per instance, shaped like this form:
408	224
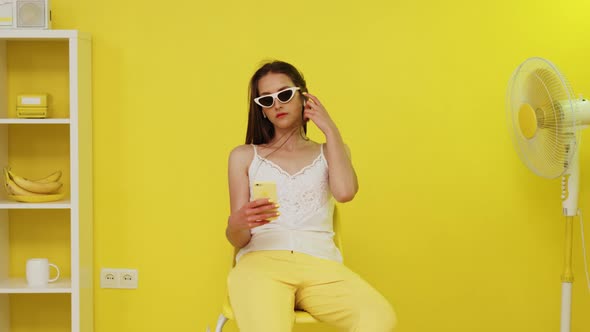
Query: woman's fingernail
270	200
276	205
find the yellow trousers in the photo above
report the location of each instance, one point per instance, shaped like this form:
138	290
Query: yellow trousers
265	287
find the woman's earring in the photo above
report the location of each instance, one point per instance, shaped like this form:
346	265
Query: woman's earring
263	114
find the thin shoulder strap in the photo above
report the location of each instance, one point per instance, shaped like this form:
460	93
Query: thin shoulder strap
255	151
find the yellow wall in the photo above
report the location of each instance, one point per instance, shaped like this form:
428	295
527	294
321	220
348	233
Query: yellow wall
448	223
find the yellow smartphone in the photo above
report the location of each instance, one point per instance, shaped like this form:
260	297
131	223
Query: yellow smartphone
264	189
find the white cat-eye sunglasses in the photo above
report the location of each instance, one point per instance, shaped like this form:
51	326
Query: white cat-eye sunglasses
284	96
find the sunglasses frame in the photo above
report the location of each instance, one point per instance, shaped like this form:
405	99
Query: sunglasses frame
276	96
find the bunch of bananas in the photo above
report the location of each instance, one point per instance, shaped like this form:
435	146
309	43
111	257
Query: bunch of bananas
34	191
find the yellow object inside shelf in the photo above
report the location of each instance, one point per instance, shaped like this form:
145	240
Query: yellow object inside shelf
31	112
36	198
31	106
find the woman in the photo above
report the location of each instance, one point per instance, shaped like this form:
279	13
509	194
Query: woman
287	258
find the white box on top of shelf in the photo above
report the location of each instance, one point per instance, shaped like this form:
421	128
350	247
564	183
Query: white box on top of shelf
25	14
6	13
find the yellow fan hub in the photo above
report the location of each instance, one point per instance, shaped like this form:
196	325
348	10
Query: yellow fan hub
527	119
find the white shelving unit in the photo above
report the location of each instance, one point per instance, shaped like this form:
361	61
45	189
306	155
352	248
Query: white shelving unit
77	135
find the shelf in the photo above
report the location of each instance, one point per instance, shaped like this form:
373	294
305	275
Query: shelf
33	121
19	286
8	204
58	63
35	34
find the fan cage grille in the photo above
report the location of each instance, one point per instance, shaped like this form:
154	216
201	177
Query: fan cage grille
538	83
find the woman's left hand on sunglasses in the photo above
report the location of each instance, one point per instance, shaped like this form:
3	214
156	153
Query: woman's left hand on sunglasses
316	112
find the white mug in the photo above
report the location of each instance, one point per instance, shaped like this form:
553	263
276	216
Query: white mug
38	272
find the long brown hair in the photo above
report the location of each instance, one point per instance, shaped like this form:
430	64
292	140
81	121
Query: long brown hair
261	130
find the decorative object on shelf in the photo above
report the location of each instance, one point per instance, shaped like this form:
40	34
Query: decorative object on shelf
38	272
25	14
32	191
31	106
6	13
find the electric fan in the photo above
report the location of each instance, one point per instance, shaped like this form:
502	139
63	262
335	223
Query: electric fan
545	120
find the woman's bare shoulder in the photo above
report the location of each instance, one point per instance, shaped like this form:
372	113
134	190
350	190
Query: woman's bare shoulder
241	155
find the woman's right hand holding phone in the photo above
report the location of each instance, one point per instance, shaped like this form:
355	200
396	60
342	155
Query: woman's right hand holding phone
253	214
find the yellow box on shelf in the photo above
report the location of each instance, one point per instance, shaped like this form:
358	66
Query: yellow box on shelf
31	112
31	106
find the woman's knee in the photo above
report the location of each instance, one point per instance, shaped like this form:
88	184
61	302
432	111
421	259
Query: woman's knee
389	318
377	317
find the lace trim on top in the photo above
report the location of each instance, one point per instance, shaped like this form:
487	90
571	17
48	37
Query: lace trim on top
303	196
280	169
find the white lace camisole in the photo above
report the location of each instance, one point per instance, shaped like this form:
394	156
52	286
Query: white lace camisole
306	206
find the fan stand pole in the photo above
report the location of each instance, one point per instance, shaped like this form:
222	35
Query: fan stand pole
570	190
567	278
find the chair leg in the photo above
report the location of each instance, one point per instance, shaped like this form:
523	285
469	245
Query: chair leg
220	323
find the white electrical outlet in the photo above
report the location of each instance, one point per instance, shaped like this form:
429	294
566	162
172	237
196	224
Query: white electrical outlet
118	278
128	278
109	278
